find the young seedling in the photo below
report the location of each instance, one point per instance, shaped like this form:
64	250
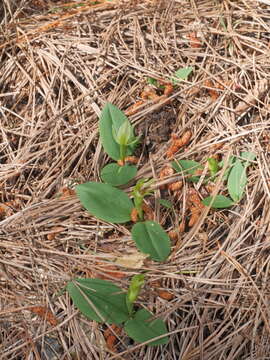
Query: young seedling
213	166
118	140
140	191
103	301
235	175
125	138
236	182
134	289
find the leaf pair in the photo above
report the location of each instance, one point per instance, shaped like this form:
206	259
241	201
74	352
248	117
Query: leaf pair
113	205
102	301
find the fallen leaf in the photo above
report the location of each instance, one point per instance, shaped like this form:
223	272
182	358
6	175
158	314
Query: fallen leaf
134	260
55	230
164	294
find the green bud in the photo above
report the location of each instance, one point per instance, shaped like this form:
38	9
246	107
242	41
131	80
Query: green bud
213	166
134	289
124	135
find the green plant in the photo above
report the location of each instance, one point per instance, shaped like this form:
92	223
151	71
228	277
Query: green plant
149	236
118	140
180	74
188	168
102	301
236	178
116	175
108	203
134	289
213	166
234	175
139	192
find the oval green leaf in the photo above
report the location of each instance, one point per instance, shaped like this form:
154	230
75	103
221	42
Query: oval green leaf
99	300
219	202
142	329
248	156
151	239
237	181
105	202
118	175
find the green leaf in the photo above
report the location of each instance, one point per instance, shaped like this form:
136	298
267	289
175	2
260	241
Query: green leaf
219	202
166	203
99	300
231	161
105	202
248	156
152	81
237	181
111	118
181	74
142	329
118	175
151	239
187	167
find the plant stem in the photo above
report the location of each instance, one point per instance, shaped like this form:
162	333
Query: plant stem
123	149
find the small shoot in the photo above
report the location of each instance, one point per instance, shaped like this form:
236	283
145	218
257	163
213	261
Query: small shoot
124	136
104	302
116	132
134	289
236	181
213	166
140	191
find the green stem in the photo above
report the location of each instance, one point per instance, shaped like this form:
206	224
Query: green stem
123	150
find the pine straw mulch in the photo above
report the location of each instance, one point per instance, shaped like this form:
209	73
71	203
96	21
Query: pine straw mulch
59	66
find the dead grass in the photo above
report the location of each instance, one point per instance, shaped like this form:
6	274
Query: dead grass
58	68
